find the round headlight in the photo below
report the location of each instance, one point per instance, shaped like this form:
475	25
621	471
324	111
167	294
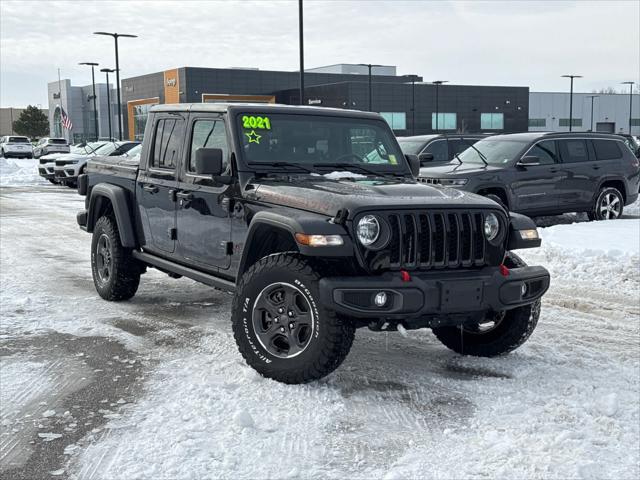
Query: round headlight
491	226
368	230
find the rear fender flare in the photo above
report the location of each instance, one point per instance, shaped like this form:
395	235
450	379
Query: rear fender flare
119	200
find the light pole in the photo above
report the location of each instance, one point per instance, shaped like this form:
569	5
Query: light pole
108	71
631	84
412	79
571	99
370	66
115	37
592	97
300	32
93	83
437	83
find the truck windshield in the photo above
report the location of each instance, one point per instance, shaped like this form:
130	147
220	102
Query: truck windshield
317	140
496	151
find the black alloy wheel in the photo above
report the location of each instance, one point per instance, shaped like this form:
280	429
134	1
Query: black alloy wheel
283	320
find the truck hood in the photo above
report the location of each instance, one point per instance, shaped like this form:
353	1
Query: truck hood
326	196
454	170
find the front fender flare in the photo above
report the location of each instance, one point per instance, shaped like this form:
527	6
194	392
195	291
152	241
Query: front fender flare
292	223
119	199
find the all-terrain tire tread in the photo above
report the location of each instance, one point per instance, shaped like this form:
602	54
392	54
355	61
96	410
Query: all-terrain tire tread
340	330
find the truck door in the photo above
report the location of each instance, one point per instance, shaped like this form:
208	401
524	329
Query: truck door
156	186
578	180
203	207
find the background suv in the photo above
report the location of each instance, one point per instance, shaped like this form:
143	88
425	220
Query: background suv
547	173
50	145
437	149
15	146
68	167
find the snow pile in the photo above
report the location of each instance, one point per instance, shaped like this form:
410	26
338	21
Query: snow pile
340	175
19	172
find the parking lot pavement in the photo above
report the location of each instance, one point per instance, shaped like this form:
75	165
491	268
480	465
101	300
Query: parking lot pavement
154	387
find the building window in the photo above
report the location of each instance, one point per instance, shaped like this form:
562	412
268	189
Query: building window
575	122
446	121
635	122
140	115
537	122
396	120
492	121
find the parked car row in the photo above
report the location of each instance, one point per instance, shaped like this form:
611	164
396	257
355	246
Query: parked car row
536	173
66	167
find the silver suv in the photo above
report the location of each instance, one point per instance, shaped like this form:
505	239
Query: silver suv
50	145
15	146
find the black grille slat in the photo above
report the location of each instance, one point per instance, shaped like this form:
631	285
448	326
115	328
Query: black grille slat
425	240
478	239
410	235
453	239
395	243
466	247
440	240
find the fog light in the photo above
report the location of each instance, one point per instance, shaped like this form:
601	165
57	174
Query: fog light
523	289
380	299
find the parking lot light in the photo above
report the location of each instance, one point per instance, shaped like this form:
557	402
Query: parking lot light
108	71
115	37
437	83
571	99
93	83
631	84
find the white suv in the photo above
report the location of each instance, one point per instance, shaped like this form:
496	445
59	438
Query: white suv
50	145
17	147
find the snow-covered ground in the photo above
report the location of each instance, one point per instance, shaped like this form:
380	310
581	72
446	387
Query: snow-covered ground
154	388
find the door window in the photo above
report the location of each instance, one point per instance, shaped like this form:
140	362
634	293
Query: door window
545	151
574	151
166	148
208	134
606	149
439	151
460	145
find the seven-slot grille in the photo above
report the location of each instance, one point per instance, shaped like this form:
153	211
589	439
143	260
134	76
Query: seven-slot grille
427	239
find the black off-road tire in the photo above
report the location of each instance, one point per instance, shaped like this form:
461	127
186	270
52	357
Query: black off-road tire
124	277
52	180
606	192
331	336
513	329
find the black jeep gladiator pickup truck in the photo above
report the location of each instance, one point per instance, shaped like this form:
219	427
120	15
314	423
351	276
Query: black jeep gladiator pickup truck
313	217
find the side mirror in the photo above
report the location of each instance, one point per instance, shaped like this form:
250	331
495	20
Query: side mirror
425	158
529	161
414	164
209	161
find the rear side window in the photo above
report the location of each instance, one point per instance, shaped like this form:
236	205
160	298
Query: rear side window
606	149
460	145
545	151
439	151
574	151
167	140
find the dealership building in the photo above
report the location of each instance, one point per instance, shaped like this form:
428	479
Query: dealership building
407	102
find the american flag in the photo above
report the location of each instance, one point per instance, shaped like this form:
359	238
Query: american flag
66	121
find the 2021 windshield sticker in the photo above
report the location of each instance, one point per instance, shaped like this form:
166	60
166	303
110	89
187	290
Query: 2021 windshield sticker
253	137
252	121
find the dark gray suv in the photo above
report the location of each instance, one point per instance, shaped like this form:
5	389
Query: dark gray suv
547	173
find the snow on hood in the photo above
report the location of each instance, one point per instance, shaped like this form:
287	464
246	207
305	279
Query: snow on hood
340	175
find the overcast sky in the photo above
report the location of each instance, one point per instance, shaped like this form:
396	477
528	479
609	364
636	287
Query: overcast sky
524	43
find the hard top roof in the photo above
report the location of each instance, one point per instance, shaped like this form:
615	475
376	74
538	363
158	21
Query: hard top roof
261	107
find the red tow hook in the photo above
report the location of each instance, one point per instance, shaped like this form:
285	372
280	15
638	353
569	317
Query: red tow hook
504	270
405	276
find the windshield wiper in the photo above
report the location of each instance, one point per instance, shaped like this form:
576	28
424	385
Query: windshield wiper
480	154
347	166
281	164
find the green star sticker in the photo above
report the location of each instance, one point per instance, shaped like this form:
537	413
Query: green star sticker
253	137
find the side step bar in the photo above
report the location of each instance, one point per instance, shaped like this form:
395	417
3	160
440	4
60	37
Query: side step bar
196	275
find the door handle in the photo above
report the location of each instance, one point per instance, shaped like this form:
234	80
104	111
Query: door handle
553	170
150	188
188	196
595	167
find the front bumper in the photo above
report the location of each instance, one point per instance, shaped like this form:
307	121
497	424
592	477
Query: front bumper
66	173
435	294
46	171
